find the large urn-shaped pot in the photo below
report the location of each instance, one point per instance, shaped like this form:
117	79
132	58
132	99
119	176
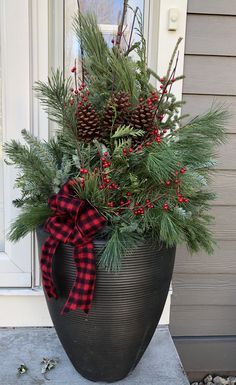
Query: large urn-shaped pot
108	343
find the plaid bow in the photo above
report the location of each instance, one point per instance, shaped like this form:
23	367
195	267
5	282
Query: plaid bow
75	222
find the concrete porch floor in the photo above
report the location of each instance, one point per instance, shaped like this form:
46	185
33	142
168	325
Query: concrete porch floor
160	364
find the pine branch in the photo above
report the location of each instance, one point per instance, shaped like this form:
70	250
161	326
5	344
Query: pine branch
27	221
54	97
116	247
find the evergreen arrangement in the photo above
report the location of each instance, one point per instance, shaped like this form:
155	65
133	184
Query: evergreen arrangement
123	142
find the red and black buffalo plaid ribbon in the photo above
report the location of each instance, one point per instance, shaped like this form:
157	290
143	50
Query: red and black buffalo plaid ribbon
75	222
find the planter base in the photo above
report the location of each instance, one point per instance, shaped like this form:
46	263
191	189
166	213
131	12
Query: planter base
108	343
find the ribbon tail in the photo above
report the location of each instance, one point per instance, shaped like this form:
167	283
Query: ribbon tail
81	294
48	251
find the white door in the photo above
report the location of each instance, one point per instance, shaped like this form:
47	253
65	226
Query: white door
29	32
15	260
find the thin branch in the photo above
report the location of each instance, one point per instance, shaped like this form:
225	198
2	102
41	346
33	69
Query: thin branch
173	56
132	27
121	24
170	75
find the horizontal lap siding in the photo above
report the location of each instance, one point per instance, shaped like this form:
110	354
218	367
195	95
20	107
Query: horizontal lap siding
212	75
209	38
204	288
222	262
212	7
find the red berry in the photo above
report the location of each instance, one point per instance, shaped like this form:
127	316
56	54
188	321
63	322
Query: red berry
83	85
128	194
110	204
130	150
158	139
180	199
106	153
103	159
162	80
102	187
73	69
141	99
168	183
165	206
128	202
161	86
85	171
183	170
76	92
177	181
147	200
72	102
125	151
81	171
164	130
106	164
85	99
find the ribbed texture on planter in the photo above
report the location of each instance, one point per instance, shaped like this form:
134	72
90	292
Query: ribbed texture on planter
108	343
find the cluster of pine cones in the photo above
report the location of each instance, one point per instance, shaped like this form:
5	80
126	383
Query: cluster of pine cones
118	111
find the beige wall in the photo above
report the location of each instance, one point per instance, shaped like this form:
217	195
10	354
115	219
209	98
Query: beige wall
204	287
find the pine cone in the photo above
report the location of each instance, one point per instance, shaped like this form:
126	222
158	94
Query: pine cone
88	123
117	108
142	118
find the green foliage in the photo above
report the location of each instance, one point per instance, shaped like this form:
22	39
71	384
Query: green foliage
107	70
28	220
123	134
148	176
119	243
160	162
54	97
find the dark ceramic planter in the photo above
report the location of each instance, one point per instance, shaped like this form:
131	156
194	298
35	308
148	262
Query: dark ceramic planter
109	342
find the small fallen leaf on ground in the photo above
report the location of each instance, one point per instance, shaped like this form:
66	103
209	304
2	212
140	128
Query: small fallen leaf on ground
22	369
48	364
